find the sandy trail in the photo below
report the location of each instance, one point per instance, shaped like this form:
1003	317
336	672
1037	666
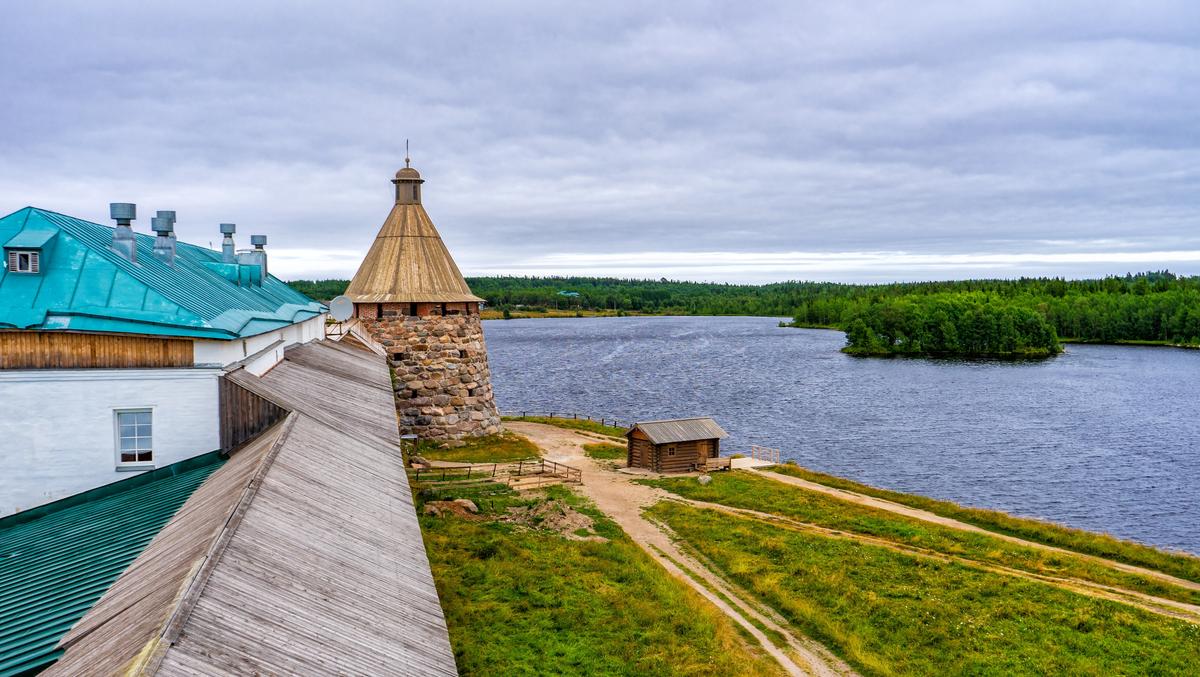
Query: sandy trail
1158	605
622	500
917	513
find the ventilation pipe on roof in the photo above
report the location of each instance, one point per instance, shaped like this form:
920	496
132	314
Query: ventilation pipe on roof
123	241
228	254
260	253
164	246
169	214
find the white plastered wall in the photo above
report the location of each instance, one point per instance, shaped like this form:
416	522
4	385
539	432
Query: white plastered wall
224	353
57	430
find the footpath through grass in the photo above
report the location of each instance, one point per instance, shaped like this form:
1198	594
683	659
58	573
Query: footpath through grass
572	424
523	601
501	448
891	613
1176	564
743	489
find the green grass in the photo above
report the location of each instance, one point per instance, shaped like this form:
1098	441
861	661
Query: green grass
743	489
604	450
501	448
890	613
526	602
572	424
1102	545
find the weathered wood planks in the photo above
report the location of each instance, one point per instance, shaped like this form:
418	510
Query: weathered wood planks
302	555
69	350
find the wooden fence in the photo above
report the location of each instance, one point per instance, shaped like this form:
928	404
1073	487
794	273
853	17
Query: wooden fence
764	453
614	422
483	471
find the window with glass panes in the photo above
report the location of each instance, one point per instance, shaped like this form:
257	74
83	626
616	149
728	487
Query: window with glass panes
135	437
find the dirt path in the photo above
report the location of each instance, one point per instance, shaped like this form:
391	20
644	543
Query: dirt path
1158	605
917	513
622	500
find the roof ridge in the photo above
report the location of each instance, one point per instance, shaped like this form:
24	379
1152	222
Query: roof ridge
673	420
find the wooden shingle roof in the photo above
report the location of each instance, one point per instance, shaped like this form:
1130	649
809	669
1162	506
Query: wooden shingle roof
680	430
409	263
301	555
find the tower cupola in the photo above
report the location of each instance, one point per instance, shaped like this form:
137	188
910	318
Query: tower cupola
408	184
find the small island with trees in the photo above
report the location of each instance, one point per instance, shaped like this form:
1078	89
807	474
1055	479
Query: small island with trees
969	324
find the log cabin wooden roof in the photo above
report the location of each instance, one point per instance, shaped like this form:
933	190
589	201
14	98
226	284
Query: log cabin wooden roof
409	263
301	555
680	430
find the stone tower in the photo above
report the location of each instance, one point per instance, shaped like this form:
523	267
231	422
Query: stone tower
410	296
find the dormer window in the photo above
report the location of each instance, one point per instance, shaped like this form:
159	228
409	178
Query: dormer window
27	261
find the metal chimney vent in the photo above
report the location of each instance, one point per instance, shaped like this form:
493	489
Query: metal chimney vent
164	245
260	254
123	241
228	253
122	212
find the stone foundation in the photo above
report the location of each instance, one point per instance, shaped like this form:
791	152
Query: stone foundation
442	382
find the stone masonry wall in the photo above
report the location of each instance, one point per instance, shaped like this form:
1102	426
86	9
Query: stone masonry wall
443	385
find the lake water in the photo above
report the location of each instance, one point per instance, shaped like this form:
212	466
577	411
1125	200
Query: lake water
1102	437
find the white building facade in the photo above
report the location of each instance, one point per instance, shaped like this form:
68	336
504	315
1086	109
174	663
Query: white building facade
142	389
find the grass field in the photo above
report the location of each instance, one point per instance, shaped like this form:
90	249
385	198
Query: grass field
572	424
606	451
1176	564
523	601
506	446
742	489
892	613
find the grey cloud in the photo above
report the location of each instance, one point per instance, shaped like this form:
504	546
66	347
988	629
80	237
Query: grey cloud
546	129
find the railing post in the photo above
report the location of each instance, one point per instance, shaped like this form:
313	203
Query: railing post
520	465
469	469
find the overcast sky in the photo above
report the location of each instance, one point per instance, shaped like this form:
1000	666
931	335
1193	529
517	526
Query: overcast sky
852	141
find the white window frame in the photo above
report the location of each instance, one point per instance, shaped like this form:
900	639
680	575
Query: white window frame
132	465
32	256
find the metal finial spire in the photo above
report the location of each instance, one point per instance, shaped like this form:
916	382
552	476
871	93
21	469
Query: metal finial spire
407	160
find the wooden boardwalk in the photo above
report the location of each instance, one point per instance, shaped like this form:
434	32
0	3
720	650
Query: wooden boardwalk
301	555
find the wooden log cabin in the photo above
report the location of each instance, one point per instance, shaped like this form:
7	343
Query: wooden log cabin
678	445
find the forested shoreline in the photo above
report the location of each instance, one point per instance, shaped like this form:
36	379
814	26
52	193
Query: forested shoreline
909	318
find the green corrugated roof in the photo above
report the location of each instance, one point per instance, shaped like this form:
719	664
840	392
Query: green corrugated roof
83	285
58	560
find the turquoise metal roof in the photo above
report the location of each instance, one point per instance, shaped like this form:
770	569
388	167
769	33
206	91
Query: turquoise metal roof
58	560
86	286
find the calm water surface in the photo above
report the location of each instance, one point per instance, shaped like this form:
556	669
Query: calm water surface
1102	437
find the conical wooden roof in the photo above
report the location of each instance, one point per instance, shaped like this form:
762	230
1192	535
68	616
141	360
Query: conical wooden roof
408	263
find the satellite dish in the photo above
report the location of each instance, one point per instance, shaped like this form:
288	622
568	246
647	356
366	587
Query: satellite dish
341	308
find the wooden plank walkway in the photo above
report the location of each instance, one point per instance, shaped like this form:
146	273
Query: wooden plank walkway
301	555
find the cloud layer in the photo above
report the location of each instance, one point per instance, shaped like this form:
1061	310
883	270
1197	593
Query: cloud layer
848	141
